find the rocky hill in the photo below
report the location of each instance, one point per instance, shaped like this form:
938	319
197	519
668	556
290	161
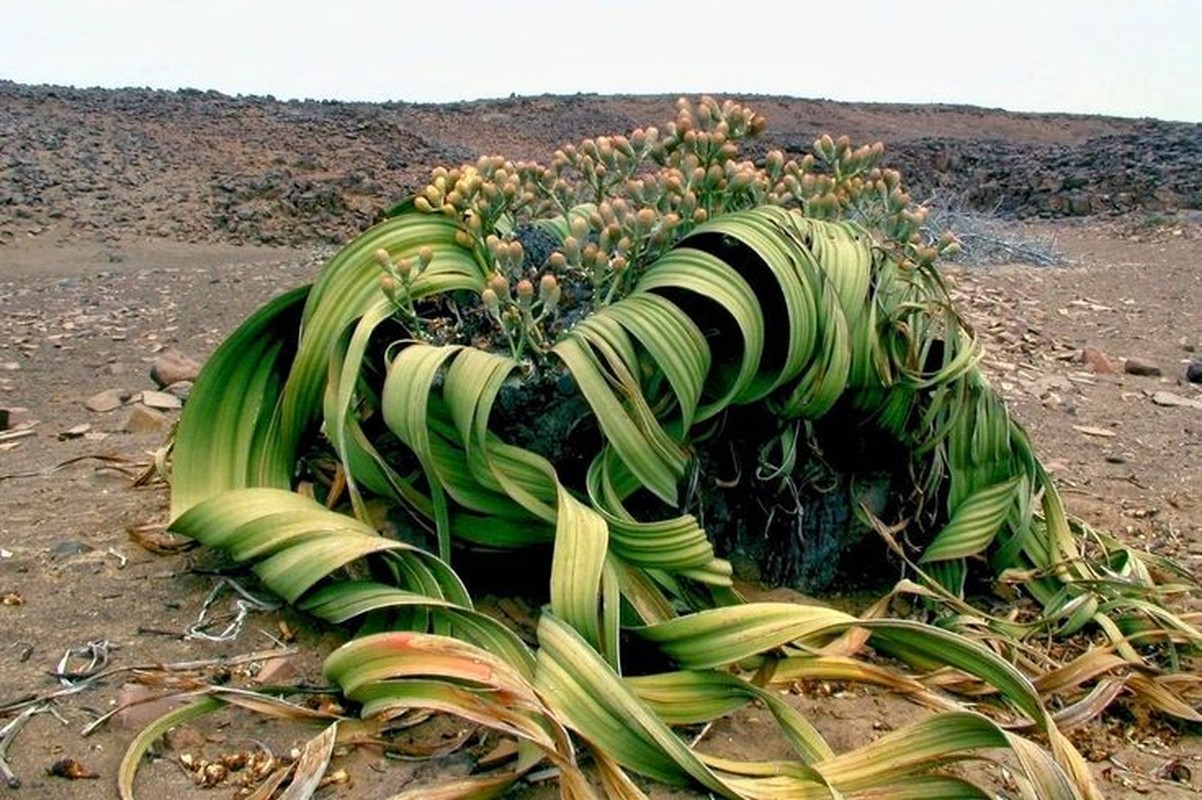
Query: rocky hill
202	166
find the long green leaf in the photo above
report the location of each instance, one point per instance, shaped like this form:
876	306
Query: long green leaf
220	438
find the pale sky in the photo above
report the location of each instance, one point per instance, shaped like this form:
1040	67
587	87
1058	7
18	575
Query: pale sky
1135	58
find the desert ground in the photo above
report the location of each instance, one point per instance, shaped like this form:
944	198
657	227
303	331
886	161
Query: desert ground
135	225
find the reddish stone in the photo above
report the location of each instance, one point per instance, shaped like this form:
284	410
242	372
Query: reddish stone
1098	361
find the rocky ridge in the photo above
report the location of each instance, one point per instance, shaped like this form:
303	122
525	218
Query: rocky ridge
205	167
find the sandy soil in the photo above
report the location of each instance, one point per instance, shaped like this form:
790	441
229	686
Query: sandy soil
78	321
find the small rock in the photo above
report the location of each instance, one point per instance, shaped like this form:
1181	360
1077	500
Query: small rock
108	400
277	671
1140	366
142	705
70	547
1193	372
1170	399
1090	430
1057	466
160	400
181	389
182	738
1097	360
74	432
172	366
142	419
